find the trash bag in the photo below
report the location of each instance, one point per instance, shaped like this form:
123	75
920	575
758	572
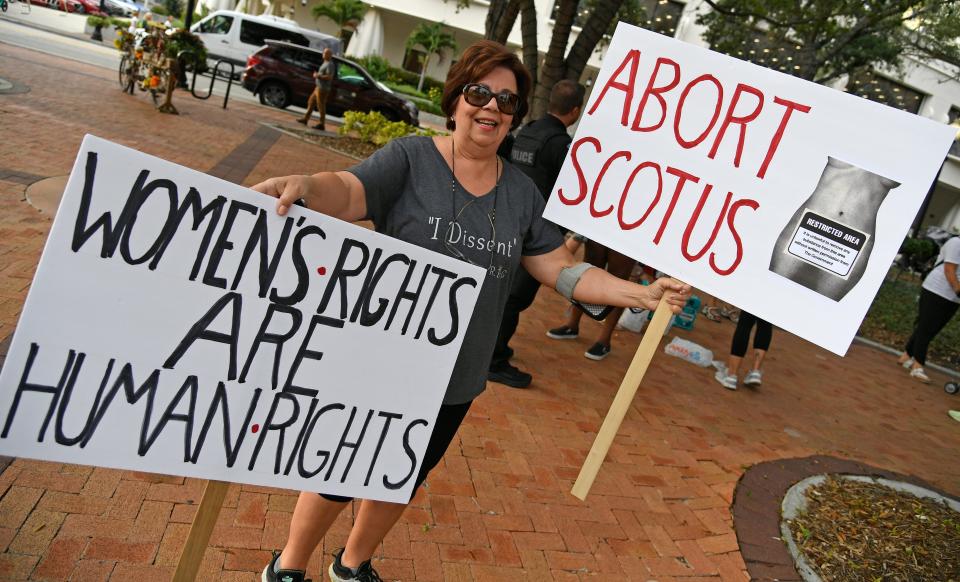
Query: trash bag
689	351
633	319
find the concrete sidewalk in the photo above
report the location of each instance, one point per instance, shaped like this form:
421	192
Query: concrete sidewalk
498	508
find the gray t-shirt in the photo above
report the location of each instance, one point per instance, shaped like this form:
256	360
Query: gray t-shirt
408	193
325	70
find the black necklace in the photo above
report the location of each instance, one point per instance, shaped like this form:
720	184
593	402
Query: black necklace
455	216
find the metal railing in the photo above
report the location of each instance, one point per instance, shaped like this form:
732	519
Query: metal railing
216	72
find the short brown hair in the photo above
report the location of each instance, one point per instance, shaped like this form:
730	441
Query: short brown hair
476	62
565	96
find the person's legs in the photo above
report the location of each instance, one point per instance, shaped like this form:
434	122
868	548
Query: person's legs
311	105
933	313
314	514
728	377
322	107
761	344
312	517
620	266
374	521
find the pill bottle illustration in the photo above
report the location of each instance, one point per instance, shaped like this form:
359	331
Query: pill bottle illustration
826	244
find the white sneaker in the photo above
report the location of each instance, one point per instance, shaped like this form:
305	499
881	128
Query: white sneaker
753	378
908	364
728	381
920	374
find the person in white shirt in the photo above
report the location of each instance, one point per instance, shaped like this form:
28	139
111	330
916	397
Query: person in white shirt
939	300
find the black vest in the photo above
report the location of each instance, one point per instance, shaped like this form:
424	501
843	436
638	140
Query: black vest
527	147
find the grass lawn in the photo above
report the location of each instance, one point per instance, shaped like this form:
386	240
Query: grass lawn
890	320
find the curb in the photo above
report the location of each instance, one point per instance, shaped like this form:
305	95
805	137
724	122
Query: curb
887	349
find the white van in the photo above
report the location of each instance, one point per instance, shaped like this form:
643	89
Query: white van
234	36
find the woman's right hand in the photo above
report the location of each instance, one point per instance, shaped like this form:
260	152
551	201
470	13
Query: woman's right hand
287	190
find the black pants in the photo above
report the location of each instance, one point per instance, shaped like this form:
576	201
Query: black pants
741	337
522	294
933	313
449	419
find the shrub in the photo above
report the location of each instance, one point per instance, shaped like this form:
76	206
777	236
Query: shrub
374	128
435	94
917	254
95	21
184	40
377	66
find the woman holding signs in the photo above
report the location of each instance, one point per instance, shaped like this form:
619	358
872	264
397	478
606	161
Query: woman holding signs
428	191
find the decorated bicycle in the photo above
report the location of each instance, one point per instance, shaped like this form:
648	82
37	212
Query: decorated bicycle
153	58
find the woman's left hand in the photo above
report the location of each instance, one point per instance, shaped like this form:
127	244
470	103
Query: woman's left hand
674	292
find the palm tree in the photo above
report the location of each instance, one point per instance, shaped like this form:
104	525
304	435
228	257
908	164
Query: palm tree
346	14
434	40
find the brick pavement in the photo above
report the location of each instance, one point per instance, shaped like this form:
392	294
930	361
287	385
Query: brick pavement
498	507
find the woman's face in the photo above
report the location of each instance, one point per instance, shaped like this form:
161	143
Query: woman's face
486	126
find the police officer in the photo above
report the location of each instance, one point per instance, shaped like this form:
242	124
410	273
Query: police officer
538	151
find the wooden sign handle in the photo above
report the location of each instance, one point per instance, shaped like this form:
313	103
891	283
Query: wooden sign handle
199	536
621	403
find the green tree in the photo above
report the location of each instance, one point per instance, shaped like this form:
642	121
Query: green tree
346	14
596	17
173	7
434	40
821	40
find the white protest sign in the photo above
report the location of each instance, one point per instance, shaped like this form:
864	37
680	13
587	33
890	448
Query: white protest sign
785	198
178	325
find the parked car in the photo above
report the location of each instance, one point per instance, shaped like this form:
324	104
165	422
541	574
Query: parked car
73	6
282	74
234	36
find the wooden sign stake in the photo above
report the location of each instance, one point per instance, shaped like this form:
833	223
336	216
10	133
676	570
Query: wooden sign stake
199	536
621	403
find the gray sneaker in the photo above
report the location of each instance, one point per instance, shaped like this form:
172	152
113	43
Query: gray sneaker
728	381
753	378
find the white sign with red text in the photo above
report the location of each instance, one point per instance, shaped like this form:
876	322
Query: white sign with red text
785	198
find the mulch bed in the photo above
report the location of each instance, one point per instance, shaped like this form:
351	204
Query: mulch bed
756	510
854	531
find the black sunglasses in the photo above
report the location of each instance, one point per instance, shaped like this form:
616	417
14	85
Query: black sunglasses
478	95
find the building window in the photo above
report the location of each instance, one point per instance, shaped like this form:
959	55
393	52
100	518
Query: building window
657	15
413	60
882	90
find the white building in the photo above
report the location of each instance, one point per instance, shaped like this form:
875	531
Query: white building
927	89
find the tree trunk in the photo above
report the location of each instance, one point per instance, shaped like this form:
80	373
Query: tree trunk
531	54
494	13
423	72
553	62
593	31
504	24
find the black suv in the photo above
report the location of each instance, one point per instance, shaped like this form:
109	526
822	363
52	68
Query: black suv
282	74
